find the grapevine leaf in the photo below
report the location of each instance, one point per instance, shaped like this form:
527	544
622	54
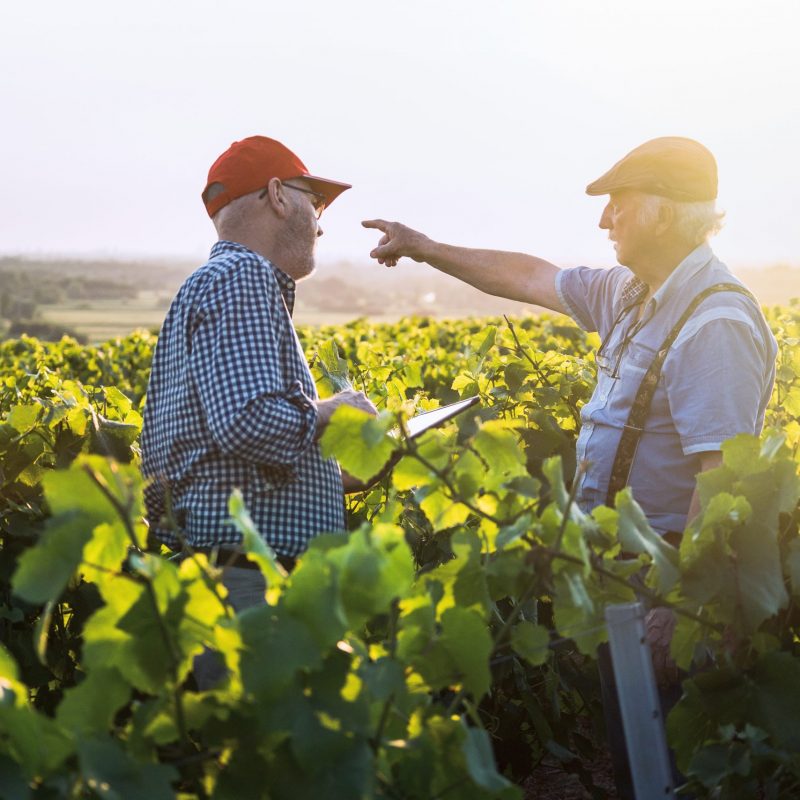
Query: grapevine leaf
267	631
253	544
531	642
636	536
12	780
551	468
44	570
440	509
742	455
358	441
114	775
478	754
499	446
333	366
313	596
467	641
488	341
89	707
37	741
376	567
23	418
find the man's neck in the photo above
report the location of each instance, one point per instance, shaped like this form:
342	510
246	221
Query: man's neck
656	267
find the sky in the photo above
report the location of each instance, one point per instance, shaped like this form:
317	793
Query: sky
478	123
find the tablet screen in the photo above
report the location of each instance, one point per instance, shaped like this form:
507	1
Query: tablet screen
430	419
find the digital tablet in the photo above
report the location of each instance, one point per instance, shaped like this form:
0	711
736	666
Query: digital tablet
430	419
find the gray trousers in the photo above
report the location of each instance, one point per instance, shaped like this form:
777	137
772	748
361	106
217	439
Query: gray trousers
246	588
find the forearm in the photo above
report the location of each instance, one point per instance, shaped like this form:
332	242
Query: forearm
271	429
708	460
517	276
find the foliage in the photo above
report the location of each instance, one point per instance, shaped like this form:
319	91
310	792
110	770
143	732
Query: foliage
441	649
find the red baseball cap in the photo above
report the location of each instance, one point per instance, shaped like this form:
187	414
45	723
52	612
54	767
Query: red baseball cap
250	164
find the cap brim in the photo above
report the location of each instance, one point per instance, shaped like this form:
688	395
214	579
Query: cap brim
329	189
606	184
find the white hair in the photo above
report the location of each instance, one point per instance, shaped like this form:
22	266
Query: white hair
233	214
694	222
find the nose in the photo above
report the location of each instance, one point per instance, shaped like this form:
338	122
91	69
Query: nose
605	218
319	230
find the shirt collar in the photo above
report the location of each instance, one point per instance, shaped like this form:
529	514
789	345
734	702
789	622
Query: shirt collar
683	273
633	292
286	284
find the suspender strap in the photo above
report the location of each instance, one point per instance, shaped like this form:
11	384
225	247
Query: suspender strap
640	408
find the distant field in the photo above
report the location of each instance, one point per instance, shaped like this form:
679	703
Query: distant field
102	320
340	293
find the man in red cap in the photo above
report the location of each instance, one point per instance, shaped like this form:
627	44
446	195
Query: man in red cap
231	402
686	361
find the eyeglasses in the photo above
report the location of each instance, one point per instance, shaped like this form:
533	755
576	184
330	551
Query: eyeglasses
602	358
318	202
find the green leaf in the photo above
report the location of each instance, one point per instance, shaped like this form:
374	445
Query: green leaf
13	783
636	536
551	469
531	642
775	699
266	631
359	442
441	511
38	743
116	399
89	707
114	439
253	544
512	533
488	341
333	366
23	418
479	757
499	446
376	567
742	455
410	472
467	641
112	774
45	570
79	506
313	596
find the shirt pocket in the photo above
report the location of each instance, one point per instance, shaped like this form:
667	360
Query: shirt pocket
636	359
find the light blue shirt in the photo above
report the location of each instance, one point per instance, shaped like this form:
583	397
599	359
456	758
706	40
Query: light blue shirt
716	381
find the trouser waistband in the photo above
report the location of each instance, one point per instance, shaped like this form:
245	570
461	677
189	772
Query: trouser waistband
227	557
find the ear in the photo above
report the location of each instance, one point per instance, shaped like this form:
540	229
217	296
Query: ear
666	216
276	198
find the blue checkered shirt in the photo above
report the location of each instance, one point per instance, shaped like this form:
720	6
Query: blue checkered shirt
230	405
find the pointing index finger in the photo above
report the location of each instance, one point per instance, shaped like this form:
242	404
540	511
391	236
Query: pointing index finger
380	224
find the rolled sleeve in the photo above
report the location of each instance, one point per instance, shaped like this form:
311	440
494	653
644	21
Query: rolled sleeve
714	382
252	411
588	295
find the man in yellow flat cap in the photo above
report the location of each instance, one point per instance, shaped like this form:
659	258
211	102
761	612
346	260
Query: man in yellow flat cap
687	359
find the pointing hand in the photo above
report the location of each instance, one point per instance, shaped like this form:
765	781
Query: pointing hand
397	241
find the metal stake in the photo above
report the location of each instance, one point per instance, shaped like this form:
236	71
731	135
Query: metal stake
642	721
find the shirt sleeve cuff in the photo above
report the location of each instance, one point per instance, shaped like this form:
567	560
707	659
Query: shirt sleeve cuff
703	444
300	400
561	291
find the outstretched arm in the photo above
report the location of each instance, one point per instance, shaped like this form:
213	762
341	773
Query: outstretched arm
516	276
